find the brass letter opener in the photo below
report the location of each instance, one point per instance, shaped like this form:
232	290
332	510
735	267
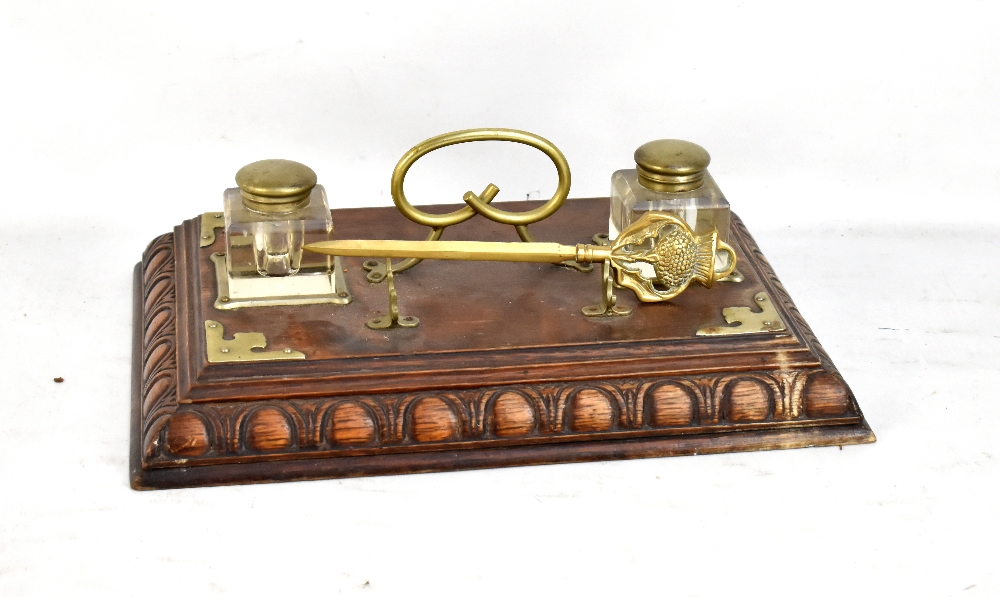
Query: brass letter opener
657	257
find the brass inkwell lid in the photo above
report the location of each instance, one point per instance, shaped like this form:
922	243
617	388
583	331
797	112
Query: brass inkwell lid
671	165
275	186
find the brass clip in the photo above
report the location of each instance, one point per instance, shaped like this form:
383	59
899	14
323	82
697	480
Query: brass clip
392	319
607	306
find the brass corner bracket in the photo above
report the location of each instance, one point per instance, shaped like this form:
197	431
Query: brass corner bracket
749	322
240	348
209	222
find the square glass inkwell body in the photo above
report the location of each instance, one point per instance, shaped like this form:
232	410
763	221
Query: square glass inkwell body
276	209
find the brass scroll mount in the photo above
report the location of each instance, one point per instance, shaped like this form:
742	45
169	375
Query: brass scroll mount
475	204
377	271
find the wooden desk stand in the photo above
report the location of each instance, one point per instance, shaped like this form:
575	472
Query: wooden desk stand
504	369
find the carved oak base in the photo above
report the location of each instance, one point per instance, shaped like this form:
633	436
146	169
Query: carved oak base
503	371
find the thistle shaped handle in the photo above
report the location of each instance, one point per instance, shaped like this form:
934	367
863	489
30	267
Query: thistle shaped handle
659	255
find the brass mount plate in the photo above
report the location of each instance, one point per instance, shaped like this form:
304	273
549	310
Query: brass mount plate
224	300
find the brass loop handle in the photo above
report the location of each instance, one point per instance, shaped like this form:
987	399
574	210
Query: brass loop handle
480	203
730	267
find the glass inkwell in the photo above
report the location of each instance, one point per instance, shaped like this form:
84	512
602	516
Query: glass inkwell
671	176
275	210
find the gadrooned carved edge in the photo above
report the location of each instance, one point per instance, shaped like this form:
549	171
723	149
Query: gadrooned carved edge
780	294
159	340
499	416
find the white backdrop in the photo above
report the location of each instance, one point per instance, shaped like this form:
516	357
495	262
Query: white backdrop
858	140
846	111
